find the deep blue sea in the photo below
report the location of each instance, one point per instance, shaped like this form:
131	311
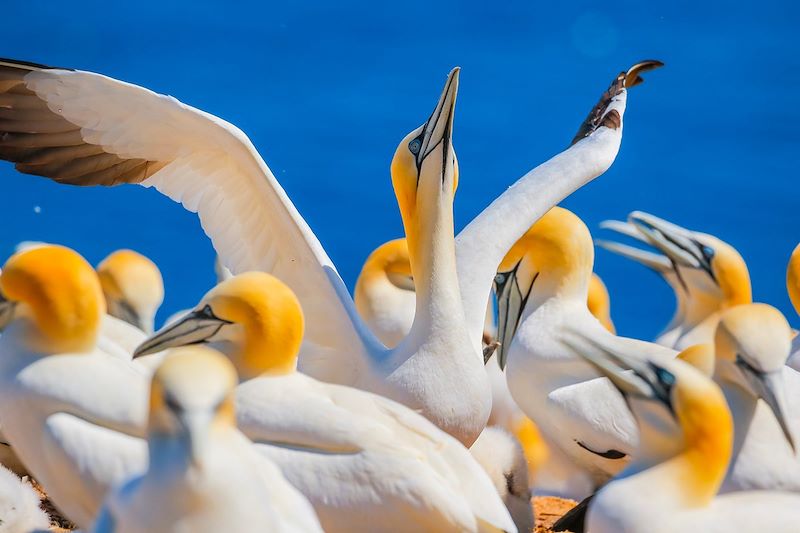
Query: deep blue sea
327	90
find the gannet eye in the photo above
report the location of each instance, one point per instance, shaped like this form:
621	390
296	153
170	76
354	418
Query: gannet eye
708	252
414	146
665	377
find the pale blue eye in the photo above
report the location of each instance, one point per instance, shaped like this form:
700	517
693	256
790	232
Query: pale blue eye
665	377
414	146
708	251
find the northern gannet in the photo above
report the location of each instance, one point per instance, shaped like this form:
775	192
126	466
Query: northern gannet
71	412
752	342
82	128
686	439
365	462
204	475
710	272
542	288
19	506
133	287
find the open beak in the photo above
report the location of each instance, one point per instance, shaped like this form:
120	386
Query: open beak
654	261
769	387
677	243
438	129
195	327
511	300
6	311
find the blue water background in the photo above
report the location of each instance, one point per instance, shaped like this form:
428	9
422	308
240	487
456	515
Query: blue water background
325	91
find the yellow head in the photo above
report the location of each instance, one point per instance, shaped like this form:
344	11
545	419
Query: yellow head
191	396
254	318
599	303
133	287
424	167
389	261
559	249
752	343
793	279
57	292
554	257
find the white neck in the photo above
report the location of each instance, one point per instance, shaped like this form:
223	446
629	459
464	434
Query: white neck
482	245
433	263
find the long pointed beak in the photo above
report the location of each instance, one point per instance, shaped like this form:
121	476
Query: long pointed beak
511	300
196	427
439	127
651	260
769	387
195	328
7	308
677	243
611	365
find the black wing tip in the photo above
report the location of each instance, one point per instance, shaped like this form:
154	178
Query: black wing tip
28	65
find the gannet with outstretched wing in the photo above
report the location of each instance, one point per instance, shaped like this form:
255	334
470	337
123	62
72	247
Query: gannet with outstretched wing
81	128
366	463
204	475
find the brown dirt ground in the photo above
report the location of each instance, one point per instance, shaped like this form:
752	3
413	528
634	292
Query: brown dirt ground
547	510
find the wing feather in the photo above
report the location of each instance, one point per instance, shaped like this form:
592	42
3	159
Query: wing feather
102	131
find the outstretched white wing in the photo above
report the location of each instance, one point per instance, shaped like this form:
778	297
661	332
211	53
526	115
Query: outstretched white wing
82	128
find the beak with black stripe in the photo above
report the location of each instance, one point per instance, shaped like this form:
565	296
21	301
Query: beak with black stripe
196	327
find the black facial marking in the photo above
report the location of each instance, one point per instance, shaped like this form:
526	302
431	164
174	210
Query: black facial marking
608	454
